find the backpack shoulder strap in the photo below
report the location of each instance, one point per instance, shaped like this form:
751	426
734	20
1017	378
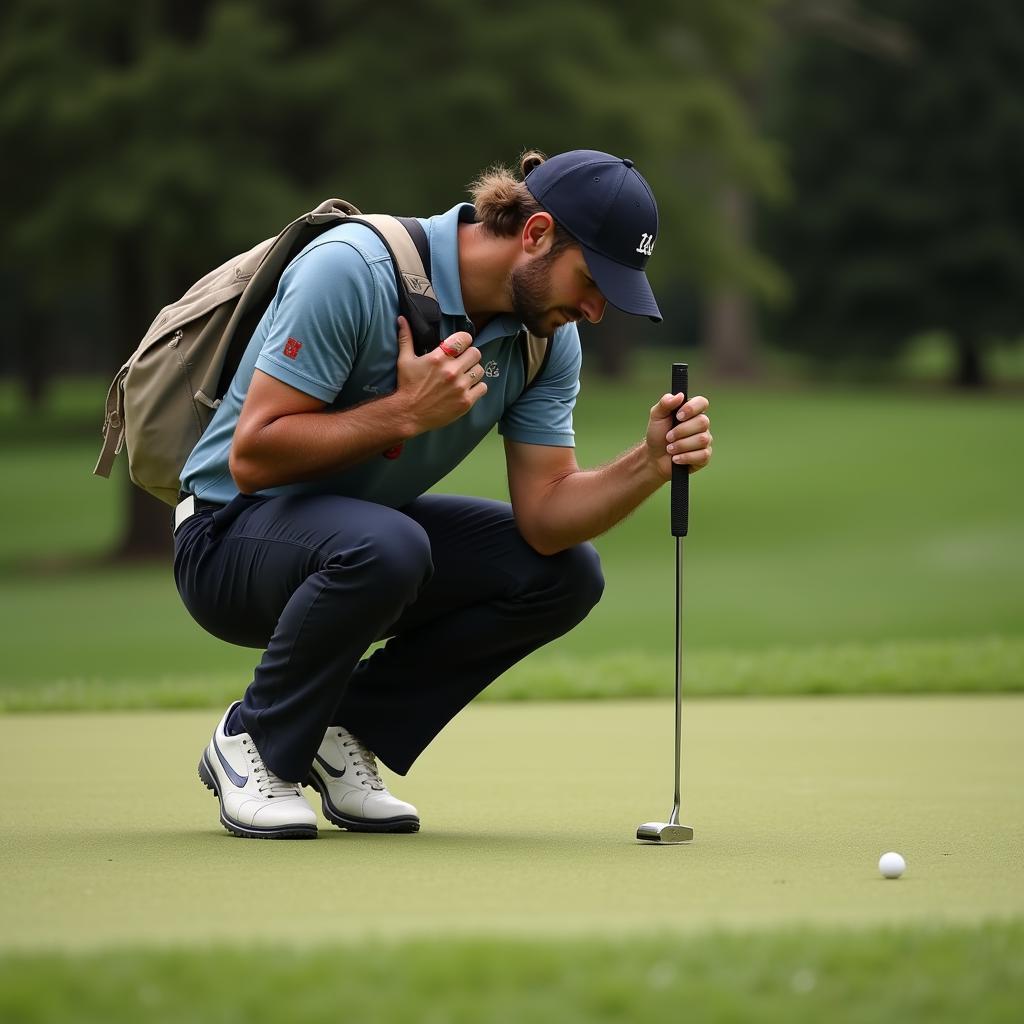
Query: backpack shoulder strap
536	352
406	241
420	240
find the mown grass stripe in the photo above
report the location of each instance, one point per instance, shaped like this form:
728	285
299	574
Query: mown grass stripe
990	665
932	974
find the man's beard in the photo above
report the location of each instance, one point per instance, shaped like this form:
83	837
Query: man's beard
531	295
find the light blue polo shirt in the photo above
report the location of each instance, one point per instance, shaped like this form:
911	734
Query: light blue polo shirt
331	332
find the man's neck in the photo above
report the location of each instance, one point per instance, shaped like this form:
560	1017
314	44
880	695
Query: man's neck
485	263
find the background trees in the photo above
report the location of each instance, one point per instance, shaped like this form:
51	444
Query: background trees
906	167
152	144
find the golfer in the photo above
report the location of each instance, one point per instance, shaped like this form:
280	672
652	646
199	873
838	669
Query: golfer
305	529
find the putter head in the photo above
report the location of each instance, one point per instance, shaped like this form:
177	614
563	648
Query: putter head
664	832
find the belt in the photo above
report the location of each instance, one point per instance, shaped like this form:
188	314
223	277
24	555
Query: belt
189	506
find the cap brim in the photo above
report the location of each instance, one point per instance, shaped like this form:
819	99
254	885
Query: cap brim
626	288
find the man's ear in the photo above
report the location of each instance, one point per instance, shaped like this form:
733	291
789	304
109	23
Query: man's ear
538	234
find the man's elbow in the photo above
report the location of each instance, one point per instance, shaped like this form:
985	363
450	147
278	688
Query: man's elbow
547	550
244	471
541	541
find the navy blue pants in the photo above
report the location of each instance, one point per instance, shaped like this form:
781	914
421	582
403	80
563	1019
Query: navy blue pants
315	580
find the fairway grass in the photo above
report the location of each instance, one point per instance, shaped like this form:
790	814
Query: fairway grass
529	812
930	975
843	541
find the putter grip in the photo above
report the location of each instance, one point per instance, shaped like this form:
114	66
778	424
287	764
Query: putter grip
680	474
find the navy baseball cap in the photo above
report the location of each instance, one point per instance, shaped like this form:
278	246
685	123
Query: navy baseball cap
605	204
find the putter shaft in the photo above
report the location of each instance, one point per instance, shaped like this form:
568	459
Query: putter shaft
677	799
672	832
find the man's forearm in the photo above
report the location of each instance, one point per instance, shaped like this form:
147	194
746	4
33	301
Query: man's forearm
312	445
587	503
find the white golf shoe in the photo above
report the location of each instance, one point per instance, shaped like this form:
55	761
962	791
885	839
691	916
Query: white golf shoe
354	796
254	802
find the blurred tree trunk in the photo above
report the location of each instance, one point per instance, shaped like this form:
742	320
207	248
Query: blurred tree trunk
730	325
34	356
147	533
970	367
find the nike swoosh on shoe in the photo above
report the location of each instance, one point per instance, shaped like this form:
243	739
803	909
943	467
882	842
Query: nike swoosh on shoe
330	769
238	780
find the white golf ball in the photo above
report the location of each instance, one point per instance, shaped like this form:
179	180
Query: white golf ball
892	865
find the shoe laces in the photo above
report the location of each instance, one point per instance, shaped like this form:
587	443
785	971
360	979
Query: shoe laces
363	758
268	784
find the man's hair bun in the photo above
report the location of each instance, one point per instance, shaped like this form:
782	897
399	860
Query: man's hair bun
531	159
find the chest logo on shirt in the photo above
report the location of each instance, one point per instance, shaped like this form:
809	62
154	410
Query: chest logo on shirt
492	369
291	348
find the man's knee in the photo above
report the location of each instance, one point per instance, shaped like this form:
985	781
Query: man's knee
565	587
584	579
392	559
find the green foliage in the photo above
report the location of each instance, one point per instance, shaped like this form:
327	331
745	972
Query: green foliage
193	131
907	173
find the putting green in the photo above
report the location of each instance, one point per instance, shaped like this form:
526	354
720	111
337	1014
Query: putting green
108	838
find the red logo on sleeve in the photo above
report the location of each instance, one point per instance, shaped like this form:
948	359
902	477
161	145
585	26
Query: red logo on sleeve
291	348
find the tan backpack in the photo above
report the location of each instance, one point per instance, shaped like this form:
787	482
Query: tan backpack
165	395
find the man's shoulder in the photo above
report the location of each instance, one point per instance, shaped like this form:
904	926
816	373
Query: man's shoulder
349	236
344	257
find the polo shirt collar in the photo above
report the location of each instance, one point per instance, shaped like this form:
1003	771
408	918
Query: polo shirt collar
444	271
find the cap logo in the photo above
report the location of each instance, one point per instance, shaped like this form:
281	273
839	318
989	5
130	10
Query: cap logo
646	246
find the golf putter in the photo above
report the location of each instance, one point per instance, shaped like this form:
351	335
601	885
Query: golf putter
670	832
